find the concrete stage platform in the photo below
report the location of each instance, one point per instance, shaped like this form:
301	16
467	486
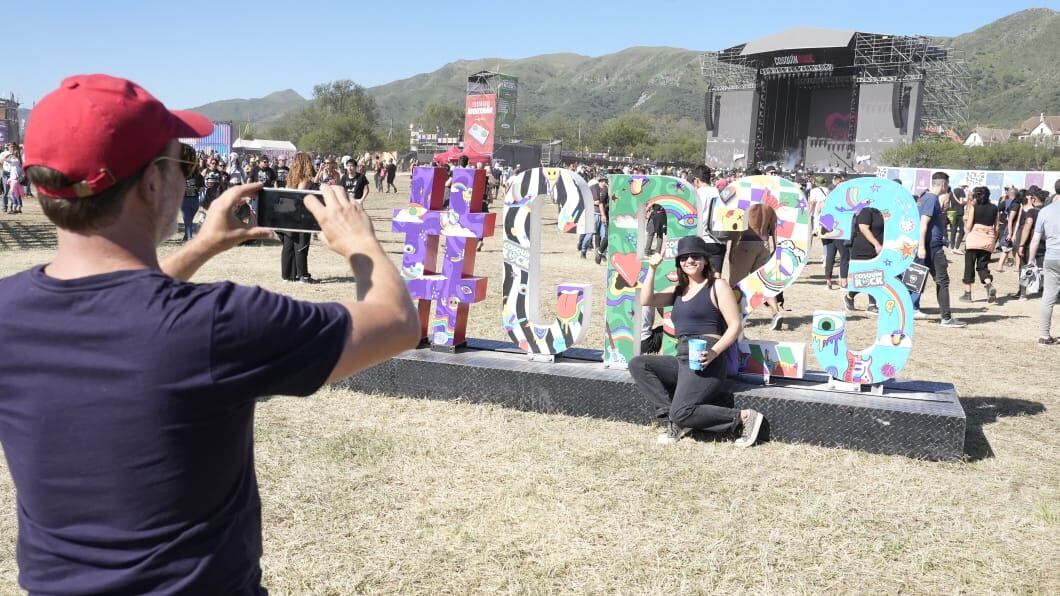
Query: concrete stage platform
913	418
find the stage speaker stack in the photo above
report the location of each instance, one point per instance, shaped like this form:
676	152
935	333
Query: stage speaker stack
899	104
710	105
708	109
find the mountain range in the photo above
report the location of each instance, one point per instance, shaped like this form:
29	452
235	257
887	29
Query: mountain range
1014	62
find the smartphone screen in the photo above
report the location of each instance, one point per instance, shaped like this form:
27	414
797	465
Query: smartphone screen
284	209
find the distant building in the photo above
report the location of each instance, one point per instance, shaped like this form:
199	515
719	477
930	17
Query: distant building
987	136
9	122
431	142
1043	129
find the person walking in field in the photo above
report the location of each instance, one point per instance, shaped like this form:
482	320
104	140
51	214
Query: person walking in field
1047	231
391	175
931	253
981	227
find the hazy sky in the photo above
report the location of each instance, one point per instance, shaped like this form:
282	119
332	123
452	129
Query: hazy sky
190	52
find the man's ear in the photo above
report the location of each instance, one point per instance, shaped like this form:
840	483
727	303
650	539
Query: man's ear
150	184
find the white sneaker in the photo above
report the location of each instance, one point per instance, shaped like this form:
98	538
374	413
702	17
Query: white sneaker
749	434
778	320
921	315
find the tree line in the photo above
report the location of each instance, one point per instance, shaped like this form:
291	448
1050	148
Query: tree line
342	118
664	138
1013	155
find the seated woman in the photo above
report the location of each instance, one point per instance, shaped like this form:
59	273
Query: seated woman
688	398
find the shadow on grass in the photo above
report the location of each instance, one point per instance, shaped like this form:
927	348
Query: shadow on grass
981	411
346	279
16	234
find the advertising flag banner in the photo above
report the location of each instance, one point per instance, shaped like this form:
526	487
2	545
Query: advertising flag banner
480	120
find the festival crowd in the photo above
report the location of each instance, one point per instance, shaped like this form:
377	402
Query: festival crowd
961	220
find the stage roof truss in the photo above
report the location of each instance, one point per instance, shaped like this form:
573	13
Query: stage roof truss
727	70
901	58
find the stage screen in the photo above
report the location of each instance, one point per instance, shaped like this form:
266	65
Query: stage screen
828	131
877	129
729	144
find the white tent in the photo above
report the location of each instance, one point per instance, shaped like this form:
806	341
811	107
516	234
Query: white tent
265	146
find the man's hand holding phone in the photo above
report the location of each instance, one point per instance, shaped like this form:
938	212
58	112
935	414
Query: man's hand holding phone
344	225
222	230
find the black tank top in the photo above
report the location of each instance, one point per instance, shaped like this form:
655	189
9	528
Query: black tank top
985	215
698	316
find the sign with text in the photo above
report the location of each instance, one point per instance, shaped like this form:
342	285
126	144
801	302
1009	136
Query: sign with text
480	119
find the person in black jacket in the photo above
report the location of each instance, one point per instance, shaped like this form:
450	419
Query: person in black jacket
391	173
866	244
656	228
193	188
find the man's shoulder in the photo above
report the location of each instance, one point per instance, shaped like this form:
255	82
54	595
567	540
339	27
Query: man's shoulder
13	283
928	201
1050	212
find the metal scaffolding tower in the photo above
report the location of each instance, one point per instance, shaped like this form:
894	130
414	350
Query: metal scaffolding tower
943	71
727	70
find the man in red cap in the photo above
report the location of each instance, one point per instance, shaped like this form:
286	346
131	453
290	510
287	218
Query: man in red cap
126	411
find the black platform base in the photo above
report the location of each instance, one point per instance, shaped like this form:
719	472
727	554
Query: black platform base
915	419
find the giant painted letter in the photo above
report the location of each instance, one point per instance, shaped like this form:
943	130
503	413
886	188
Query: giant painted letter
793	232
522	260
625	260
423	221
876	277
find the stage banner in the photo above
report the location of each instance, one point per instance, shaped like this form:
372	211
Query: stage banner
3	131
507	91
220	140
480	118
918	180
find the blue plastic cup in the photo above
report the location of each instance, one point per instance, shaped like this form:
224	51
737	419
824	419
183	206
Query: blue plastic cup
696	347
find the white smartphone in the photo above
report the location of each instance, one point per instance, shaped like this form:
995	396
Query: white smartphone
283	209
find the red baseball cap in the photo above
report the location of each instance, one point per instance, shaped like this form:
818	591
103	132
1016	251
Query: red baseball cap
100	129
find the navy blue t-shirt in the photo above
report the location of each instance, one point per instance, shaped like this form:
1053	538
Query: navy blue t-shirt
929	207
127	415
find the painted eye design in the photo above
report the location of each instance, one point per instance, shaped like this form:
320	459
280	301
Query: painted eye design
828	325
410	249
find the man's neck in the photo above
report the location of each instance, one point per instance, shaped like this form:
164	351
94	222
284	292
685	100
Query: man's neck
82	255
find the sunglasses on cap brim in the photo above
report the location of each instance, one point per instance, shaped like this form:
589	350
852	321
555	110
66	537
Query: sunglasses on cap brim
188	161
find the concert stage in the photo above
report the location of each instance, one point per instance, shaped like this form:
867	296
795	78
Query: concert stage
827	100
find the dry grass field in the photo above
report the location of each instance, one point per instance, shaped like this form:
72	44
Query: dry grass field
377	494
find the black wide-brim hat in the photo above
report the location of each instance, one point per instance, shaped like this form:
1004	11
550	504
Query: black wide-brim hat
693	245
